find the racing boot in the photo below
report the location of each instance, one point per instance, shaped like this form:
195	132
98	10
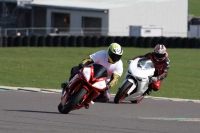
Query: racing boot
106	96
148	91
87	106
103	97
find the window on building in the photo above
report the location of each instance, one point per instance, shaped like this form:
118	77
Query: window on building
91	26
61	21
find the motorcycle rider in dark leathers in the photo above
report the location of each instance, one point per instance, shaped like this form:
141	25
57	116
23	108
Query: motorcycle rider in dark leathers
161	63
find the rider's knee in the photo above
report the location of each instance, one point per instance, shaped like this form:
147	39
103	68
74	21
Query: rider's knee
156	89
74	70
156	86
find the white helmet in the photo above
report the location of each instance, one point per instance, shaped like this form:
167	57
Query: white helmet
160	52
114	52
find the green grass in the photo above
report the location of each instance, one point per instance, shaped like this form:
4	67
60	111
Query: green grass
194	7
48	67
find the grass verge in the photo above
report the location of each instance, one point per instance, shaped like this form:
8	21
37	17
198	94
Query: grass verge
48	67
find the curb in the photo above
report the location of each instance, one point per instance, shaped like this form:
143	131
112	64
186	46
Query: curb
8	88
51	90
170	99
28	89
173	99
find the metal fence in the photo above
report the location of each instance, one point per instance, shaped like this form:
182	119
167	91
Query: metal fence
77	32
55	31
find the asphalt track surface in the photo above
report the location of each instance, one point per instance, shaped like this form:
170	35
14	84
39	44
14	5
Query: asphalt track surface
36	112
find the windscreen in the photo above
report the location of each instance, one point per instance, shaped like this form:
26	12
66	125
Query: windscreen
145	64
99	71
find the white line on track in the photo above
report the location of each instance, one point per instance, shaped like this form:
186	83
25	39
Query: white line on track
171	119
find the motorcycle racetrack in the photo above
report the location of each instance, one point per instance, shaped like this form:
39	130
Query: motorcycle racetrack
36	112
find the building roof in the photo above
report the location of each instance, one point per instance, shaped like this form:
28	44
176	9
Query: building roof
16	0
90	4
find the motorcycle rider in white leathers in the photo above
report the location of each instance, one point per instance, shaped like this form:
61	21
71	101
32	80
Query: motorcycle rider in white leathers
111	59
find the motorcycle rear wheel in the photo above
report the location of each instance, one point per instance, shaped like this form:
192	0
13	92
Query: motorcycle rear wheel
121	94
138	100
73	101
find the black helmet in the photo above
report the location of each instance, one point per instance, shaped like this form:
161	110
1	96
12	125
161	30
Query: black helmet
114	52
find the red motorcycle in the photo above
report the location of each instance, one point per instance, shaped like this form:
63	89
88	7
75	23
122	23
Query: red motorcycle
83	88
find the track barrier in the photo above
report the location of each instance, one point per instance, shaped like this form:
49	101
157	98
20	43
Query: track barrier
97	41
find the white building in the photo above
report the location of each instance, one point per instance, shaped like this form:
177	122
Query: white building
113	17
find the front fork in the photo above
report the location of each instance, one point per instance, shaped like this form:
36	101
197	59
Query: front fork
64	97
133	86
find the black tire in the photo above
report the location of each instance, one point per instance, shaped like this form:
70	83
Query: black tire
60	107
121	94
138	100
74	101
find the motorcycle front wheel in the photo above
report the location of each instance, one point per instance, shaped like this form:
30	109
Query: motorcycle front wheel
60	107
74	101
121	94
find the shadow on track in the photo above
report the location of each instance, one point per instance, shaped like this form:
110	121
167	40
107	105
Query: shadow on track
33	111
111	102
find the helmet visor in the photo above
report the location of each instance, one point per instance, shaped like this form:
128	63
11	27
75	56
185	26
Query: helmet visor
159	56
113	57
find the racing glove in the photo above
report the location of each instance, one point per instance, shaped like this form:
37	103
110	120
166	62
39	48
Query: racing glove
85	62
129	61
154	79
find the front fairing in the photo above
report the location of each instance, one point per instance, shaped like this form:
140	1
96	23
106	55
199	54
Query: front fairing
138	73
141	68
92	78
99	71
95	75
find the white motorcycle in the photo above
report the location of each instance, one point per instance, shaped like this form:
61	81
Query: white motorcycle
136	81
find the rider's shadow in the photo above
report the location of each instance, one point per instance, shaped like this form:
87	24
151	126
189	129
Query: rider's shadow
32	111
112	102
